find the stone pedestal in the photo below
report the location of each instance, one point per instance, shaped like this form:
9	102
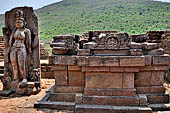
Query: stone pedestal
103	79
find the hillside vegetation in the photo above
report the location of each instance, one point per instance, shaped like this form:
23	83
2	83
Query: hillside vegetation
78	16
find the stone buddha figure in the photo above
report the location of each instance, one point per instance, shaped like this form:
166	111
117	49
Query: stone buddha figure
22	59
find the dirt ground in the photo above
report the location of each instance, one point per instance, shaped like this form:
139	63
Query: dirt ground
25	104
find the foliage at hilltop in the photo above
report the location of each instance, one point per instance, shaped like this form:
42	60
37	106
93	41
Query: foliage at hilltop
79	16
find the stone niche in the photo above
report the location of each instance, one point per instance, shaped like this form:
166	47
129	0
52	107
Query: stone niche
112	72
21	55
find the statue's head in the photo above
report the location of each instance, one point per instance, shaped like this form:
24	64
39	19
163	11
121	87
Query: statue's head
19	19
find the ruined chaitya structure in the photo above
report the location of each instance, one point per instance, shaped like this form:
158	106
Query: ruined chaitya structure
107	72
22	58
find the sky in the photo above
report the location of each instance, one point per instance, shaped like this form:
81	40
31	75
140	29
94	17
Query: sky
6	5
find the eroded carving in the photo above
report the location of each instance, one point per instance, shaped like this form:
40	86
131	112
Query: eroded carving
22	60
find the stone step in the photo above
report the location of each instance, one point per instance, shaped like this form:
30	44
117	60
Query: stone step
158	99
160	107
62	97
56	105
110	109
111	100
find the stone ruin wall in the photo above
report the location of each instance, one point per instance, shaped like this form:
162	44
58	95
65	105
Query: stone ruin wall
47	72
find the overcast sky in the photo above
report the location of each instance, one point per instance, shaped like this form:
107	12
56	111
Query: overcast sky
6	5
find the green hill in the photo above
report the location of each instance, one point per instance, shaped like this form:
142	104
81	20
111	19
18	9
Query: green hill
78	16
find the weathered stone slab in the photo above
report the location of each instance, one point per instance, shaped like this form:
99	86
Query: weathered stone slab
161	60
83	52
103	80
150	90
135	45
148	60
109	92
95	69
132	61
74	68
128	80
47	74
111	51
124	69
98	60
151	46
56	105
61	78
158	99
154	68
98	92
111	100
62	60
136	52
68	89
76	78
110	61
59	51
110	109
157	78
143	79
90	45
59	67
159	51
62	97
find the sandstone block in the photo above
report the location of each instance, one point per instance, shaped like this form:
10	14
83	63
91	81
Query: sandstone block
132	61
124	69
49	75
158	99
89	45
61	78
111	52
135	45
62	97
95	69
157	78
68	89
109	92
76	78
103	80
98	61
161	60
111	100
154	68
58	51
74	68
128	80
148	60
151	46
159	51
143	79
150	90
83	52
59	67
136	52
62	60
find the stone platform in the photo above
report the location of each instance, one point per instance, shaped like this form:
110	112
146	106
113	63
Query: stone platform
109	74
